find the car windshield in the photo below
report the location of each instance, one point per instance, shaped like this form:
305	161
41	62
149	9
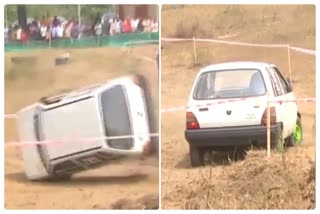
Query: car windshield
116	117
229	84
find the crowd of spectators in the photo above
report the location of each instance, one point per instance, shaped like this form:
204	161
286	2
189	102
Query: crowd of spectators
58	28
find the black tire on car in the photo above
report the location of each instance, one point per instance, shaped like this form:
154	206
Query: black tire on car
196	156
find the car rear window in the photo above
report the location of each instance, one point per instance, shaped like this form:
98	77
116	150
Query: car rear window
116	116
229	84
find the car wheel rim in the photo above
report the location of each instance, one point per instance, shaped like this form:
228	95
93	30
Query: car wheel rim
297	135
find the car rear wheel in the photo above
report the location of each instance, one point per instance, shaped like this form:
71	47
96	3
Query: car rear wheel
296	137
196	156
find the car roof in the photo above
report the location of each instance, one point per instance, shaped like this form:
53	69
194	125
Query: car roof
234	65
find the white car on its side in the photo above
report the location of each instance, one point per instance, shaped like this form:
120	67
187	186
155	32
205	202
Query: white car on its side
86	128
228	109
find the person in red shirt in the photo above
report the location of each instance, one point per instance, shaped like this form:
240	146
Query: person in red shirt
129	25
126	26
24	37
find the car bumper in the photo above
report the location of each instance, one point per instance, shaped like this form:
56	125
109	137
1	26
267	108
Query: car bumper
232	136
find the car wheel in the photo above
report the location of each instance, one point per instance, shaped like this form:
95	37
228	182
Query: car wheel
196	156
296	137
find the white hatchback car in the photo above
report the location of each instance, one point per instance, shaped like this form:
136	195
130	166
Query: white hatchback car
228	109
87	128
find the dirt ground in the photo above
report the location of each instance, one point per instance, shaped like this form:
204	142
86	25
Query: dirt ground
252	182
130	185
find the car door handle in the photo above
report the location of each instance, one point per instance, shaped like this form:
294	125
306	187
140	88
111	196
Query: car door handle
203	109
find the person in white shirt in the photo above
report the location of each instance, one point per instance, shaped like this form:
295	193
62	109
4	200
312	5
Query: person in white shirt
54	32
135	24
132	24
109	25
154	26
98	29
146	25
118	26
112	29
6	34
19	32
43	31
60	31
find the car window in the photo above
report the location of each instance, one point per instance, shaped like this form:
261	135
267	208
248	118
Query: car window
276	86
201	87
283	82
229	84
116	118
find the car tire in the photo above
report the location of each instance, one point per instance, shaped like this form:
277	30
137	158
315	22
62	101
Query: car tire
196	156
296	137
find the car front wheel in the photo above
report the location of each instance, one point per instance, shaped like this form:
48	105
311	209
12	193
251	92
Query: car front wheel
196	156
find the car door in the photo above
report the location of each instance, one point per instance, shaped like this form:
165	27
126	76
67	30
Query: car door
290	108
277	95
